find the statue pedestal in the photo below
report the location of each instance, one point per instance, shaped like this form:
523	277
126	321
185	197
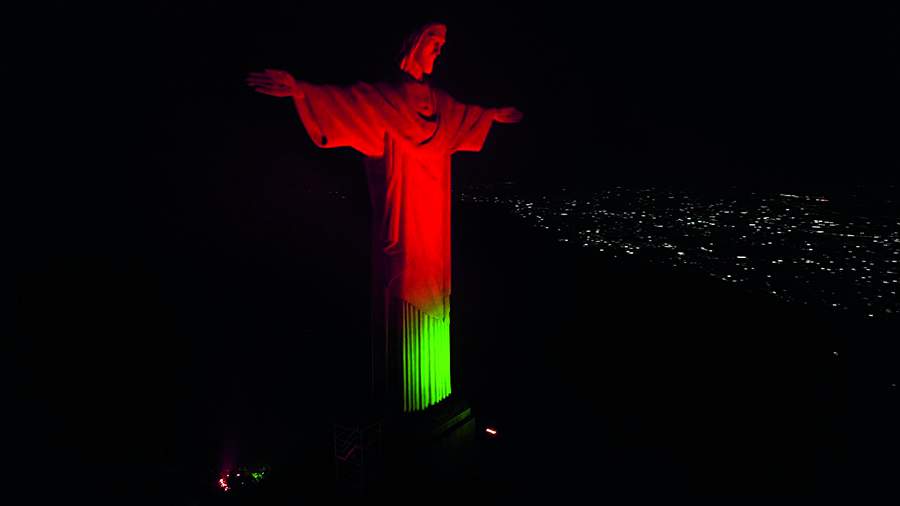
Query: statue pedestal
424	451
435	423
431	449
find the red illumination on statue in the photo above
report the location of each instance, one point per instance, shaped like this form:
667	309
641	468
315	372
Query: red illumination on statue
407	131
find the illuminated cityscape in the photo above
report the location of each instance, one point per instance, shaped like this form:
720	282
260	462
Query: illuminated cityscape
797	247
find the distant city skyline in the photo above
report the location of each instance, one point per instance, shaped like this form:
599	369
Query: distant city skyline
794	247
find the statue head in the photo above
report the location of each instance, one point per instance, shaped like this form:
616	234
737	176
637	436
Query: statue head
421	48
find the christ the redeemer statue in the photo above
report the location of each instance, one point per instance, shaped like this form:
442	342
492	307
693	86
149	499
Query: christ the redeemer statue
407	131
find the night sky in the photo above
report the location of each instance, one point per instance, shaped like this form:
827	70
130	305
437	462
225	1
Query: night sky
687	94
161	198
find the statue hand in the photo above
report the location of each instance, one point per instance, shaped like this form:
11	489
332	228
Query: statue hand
508	115
277	83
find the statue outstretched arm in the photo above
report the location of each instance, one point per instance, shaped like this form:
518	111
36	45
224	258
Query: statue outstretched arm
469	124
333	116
508	115
277	83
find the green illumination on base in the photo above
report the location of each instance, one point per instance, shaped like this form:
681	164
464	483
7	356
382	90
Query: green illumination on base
426	358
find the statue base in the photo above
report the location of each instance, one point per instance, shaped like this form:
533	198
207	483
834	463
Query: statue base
417	451
431	449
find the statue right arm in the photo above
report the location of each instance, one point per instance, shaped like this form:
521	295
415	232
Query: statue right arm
277	83
334	116
342	116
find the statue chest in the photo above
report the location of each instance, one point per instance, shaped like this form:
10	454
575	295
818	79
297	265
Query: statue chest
420	98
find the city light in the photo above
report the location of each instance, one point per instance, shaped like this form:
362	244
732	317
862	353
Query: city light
798	248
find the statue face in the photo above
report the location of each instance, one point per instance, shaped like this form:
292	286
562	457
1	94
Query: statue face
430	47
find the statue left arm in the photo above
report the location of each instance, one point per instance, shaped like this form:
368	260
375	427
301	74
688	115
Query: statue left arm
508	115
468	124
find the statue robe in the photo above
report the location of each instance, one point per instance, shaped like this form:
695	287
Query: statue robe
408	132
